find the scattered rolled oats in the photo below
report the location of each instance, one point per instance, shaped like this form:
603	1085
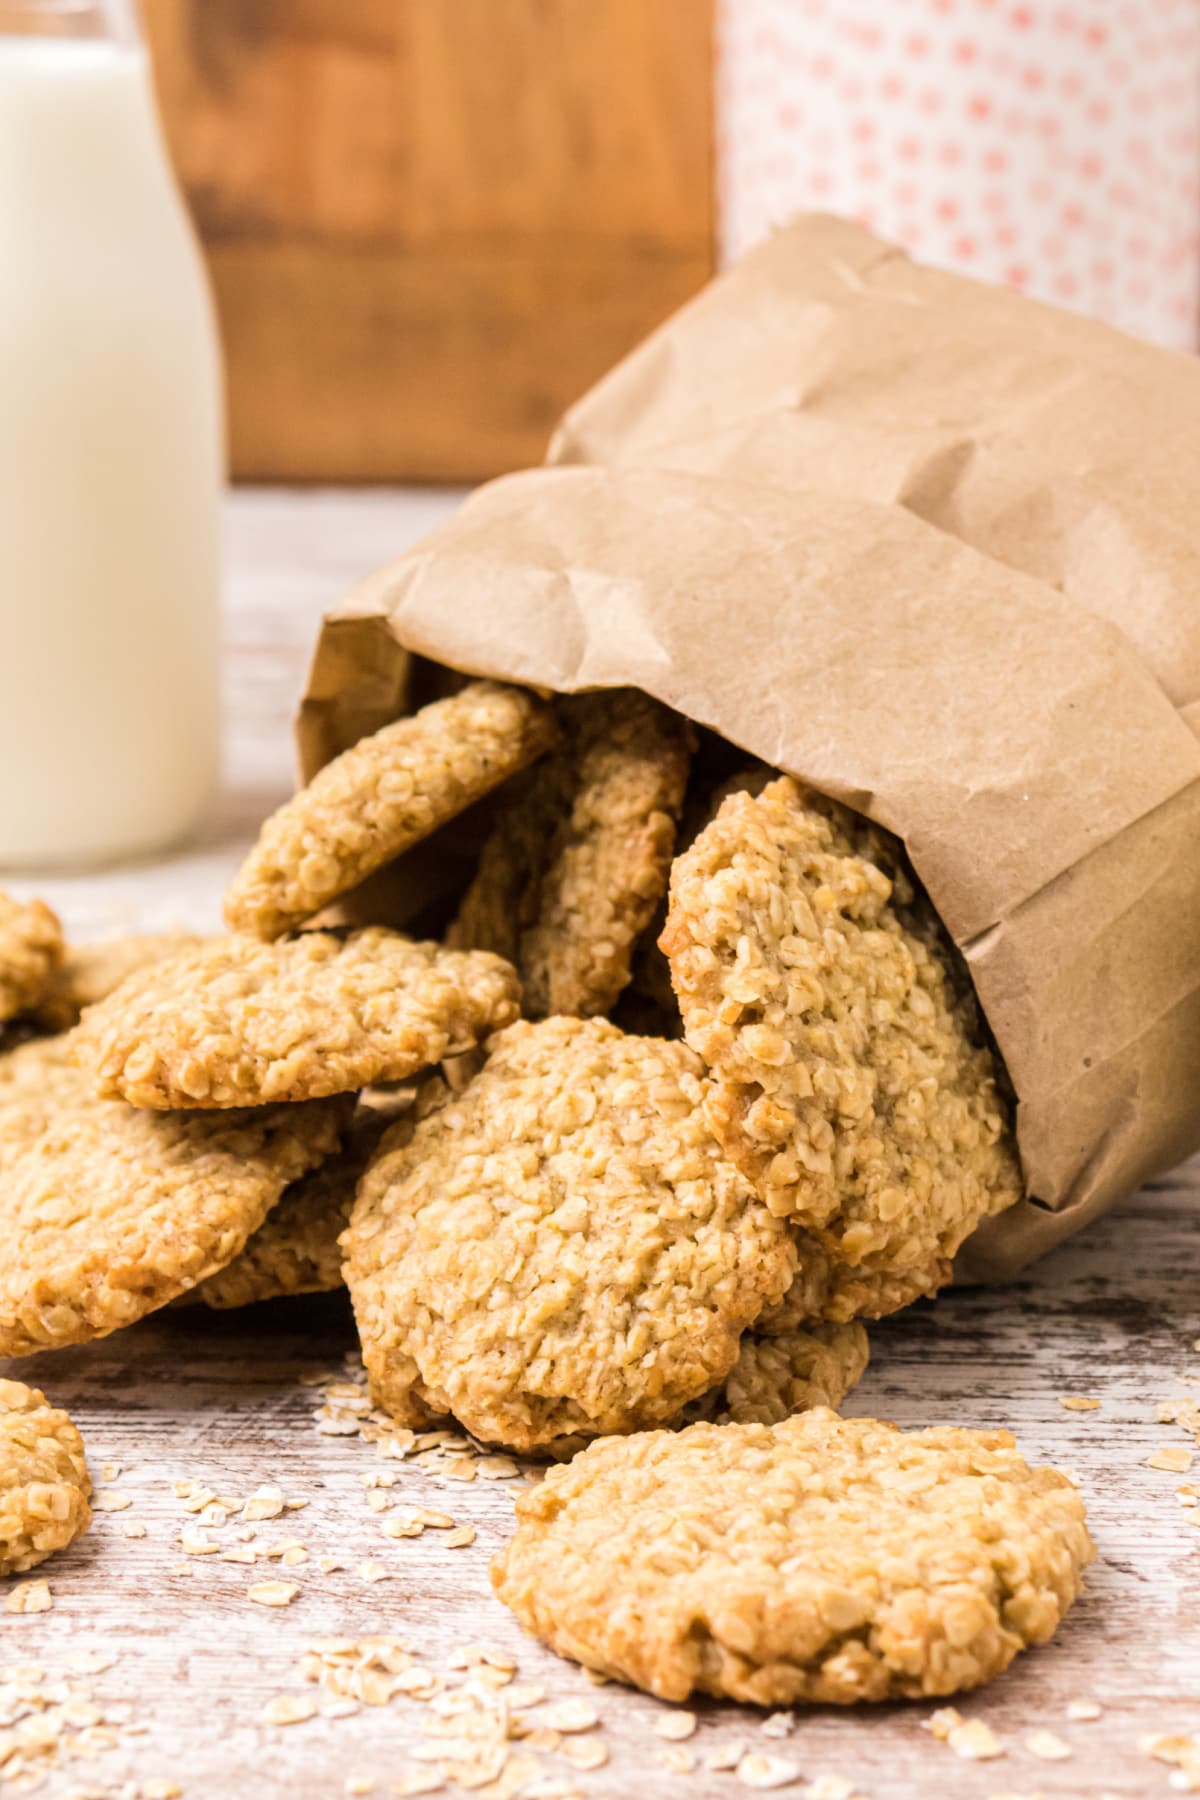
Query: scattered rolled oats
587	1752
778	1725
974	1741
497	1468
194	1543
264	1503
723	1757
1082	1711
289	1709
372	1571
460	1536
1078	1403
108	1500
570	1715
1176	1459
677	1759
1180	1752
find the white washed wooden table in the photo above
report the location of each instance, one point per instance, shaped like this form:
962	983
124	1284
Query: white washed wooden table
218	1400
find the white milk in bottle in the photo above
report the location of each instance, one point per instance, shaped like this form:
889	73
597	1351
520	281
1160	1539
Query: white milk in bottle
110	454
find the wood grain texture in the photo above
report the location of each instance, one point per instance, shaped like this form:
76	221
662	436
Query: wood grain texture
1114	1315
432	223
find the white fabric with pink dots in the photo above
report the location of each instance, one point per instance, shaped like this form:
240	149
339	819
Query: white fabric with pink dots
1051	144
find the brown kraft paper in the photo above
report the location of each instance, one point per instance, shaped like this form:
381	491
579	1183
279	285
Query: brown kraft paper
890	587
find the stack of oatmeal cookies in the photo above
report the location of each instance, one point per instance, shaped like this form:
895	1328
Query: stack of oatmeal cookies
686	1083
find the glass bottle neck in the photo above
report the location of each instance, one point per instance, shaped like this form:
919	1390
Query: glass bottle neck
115	21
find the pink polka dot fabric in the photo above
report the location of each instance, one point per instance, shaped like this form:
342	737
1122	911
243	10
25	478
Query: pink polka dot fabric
1053	144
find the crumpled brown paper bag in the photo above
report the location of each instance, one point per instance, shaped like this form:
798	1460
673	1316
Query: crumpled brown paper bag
926	546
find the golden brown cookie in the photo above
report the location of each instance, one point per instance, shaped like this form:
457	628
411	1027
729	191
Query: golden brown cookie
44	1482
648	1004
91	972
562	1249
31	949
110	1212
580	852
380	797
823	1559
296	1249
815	1364
239	1022
851	1081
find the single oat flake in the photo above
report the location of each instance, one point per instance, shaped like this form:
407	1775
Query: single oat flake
974	1741
272	1593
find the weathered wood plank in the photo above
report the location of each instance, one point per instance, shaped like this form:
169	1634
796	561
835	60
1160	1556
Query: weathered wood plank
432	223
1114	1314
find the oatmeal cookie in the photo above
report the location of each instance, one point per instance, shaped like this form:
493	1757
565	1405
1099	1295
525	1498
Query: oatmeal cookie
562	1249
44	1483
648	1004
110	1212
296	1249
380	797
580	852
815	1364
31	949
91	972
851	1083
239	1022
822	1559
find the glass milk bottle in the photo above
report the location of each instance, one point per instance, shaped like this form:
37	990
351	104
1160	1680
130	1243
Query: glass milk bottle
111	453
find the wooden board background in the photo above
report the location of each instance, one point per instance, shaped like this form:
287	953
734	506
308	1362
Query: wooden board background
432	223
1114	1314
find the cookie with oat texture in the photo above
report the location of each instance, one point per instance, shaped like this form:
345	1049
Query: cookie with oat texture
91	972
296	1249
851	1080
579	855
562	1249
31	949
814	1364
818	1559
110	1211
44	1481
381	797
240	1022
